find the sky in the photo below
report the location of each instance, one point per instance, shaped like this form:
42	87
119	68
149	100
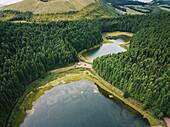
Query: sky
7	2
145	1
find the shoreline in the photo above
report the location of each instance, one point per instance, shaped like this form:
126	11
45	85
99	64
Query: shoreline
39	90
81	56
88	74
104	36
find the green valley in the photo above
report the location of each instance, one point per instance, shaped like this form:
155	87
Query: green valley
36	40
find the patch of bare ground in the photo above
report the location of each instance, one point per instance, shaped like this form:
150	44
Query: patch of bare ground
167	120
81	64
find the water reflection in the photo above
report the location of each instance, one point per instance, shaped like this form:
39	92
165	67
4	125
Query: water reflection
105	49
67	106
108	48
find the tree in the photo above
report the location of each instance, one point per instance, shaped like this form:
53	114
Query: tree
157	111
160	115
144	107
126	94
168	112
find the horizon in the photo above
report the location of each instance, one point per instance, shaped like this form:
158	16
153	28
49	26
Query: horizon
8	2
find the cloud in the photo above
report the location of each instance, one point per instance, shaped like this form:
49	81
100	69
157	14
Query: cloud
146	1
7	2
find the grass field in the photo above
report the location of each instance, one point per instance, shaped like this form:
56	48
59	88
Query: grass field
53	6
164	8
56	10
138	9
130	11
93	10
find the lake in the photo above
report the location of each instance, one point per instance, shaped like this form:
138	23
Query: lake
81	104
107	48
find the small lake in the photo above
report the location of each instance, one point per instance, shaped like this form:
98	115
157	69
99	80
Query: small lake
81	104
108	48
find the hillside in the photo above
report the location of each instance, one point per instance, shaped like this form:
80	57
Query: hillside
98	9
51	6
135	7
49	11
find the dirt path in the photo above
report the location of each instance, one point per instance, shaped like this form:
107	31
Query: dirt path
86	65
6	122
56	70
82	64
167	120
118	91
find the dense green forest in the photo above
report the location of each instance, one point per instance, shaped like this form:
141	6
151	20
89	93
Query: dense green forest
20	15
143	71
29	50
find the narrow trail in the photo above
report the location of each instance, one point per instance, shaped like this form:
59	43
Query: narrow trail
111	87
86	65
6	122
83	65
167	120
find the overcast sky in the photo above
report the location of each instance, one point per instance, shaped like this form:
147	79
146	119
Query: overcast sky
6	2
145	0
14	1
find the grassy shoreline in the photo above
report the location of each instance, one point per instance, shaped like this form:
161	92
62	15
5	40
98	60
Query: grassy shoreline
149	115
135	105
35	90
73	75
104	35
118	33
38	88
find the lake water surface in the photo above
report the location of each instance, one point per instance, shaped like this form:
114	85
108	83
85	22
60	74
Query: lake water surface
81	104
108	48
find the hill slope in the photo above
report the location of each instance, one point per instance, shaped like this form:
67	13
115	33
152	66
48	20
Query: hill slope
99	9
135	7
52	6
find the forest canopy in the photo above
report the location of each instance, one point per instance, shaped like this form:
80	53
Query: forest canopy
28	50
143	71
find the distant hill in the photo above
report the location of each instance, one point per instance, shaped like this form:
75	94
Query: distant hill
49	10
49	6
162	1
99	9
136	7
